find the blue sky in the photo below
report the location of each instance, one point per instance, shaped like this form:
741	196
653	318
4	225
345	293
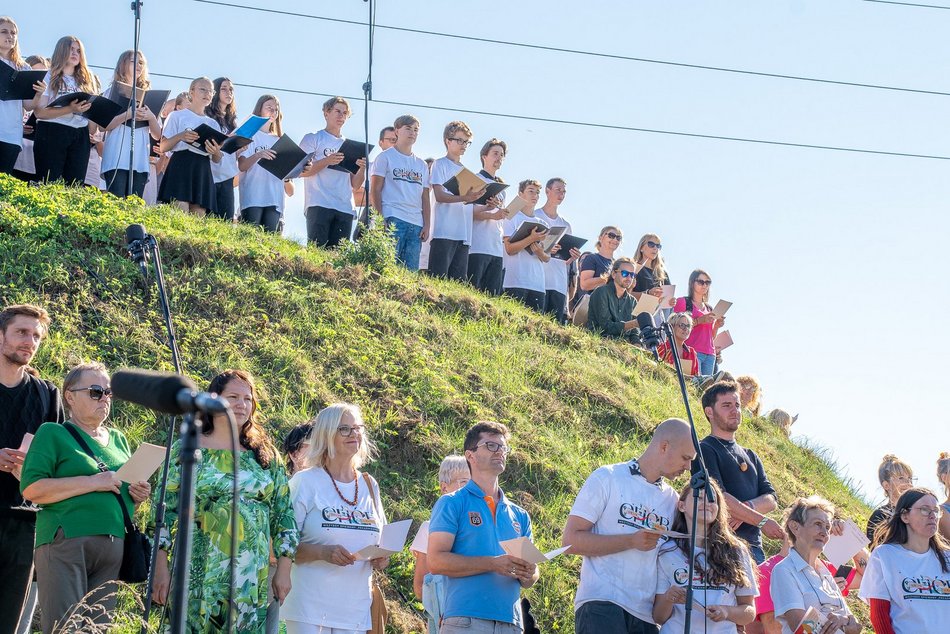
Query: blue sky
814	247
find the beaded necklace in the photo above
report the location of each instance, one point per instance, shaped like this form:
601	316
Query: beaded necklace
356	493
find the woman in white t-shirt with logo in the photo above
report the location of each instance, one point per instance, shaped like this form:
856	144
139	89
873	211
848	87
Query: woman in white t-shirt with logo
907	581
338	511
723	573
262	193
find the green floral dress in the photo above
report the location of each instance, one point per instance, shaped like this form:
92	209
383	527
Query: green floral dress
266	519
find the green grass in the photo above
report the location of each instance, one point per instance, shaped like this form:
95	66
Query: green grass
424	359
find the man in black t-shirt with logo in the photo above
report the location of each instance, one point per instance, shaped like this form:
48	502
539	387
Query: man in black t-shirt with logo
26	402
739	472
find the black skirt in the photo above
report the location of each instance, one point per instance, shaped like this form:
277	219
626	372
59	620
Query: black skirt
188	179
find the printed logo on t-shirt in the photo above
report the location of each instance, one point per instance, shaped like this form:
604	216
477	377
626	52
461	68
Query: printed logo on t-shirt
925	587
516	525
680	575
349	519
474	518
407	176
328	151
639	516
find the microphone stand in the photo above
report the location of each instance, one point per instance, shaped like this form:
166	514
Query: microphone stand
133	103
367	97
698	482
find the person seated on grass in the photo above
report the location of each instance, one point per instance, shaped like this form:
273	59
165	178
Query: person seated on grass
610	312
681	324
750	394
781	418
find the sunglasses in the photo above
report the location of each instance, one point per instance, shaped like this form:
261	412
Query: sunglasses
614	236
704	282
625	273
654	245
96	392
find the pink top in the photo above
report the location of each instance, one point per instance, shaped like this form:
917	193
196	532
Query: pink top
763	602
701	339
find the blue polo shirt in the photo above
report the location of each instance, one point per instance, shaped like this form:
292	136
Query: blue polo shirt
466	515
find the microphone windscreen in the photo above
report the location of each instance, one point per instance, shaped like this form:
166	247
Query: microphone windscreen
157	391
644	320
134	232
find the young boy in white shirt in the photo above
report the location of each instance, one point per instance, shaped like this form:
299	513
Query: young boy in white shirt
485	262
451	218
556	270
524	259
399	189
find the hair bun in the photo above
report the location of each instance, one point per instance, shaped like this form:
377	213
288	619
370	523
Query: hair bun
944	455
890	458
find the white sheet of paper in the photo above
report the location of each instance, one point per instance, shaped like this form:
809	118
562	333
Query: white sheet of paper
522	548
841	548
143	463
391	541
646	304
25	445
723	340
665	533
722	307
669	295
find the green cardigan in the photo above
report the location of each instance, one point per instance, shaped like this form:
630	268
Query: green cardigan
54	453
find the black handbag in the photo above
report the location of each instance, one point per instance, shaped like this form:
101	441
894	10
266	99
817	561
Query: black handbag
136	547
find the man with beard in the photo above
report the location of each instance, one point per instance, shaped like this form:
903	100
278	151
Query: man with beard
26	402
483	585
739	472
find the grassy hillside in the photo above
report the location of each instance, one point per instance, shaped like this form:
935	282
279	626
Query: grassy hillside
423	358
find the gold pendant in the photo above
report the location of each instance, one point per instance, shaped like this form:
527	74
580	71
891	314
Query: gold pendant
743	466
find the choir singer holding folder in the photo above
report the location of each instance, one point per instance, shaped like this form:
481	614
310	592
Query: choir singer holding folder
81	527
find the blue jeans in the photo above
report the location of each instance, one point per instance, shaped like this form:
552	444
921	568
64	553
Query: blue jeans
707	363
758	555
408	242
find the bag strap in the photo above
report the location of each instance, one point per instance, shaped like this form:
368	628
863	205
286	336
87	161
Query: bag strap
129	527
373	493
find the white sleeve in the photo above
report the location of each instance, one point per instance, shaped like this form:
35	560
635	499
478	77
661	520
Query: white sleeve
301	496
439	174
381	165
751	573
510	227
786	594
172	125
426	180
663	579
591	500
308	143
874	581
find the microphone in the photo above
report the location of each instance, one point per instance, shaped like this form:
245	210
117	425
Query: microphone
165	392
135	237
648	331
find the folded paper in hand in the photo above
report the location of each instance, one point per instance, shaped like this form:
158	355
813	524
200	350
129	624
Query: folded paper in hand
522	548
392	539
143	463
27	440
723	340
722	306
811	623
646	304
841	548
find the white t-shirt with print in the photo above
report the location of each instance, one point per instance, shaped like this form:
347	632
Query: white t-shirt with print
406	176
185	119
919	591
523	269
450	221
328	188
555	269
323	593
115	147
260	188
620	503
673	569
485	237
72	119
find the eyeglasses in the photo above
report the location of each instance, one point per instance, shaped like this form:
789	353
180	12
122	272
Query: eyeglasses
684	325
704	282
904	479
494	447
614	236
926	511
346	431
390	139
96	392
654	245
461	142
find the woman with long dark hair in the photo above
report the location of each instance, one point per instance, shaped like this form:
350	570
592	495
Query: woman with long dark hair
223	109
705	322
266	517
723	571
907	581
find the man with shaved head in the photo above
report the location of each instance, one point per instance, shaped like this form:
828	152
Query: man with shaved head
606	527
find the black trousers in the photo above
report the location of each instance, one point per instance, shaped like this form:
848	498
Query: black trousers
8	154
486	272
17	534
328	227
267	217
555	303
61	152
448	258
117	182
597	617
224	194
531	299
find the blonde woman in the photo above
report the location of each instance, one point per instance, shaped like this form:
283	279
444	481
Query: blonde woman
61	145
11	112
895	477
262	193
115	147
652	274
749	394
338	511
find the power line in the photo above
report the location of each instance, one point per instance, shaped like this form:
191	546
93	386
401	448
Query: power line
910	4
588	124
555	49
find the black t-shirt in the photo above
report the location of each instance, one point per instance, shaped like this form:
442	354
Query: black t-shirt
647	280
881	515
22	411
593	262
724	460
